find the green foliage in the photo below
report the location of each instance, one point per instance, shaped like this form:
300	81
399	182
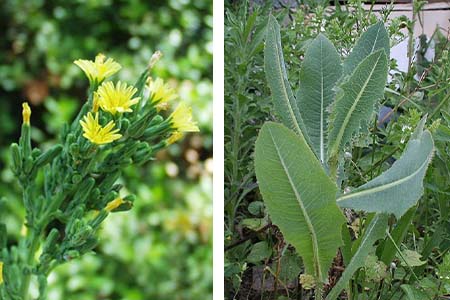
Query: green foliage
283	155
301	209
409	96
166	238
373	39
374	231
321	69
79	190
355	101
284	101
246	103
403	181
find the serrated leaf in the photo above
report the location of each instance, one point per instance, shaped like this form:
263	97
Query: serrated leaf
299	196
375	231
355	102
321	69
374	39
284	101
400	187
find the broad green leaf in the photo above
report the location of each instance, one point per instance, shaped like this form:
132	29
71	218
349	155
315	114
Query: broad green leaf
321	69
355	102
284	101
375	231
400	187
299	196
375	38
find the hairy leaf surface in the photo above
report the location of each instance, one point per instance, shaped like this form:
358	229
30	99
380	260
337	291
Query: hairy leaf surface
284	101
355	102
400	187
320	71
299	196
375	231
375	38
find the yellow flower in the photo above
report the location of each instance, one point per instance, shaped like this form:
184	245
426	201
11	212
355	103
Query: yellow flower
174	137
1	272
97	134
116	99
99	69
114	204
181	119
161	94
26	113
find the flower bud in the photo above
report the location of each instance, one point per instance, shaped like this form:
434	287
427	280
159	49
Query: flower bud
26	113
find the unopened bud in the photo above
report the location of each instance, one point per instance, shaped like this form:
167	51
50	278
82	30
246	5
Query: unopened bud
26	113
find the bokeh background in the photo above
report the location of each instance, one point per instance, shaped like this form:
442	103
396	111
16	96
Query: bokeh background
162	248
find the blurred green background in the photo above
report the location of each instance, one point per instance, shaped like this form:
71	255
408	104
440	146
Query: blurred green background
162	249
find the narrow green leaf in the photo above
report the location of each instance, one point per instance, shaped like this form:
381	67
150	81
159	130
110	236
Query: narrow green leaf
400	187
355	102
375	38
375	231
299	196
321	69
388	249
284	101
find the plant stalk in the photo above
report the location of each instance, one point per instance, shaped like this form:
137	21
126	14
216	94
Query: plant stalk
32	243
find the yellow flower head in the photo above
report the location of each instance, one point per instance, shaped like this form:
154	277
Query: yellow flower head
97	134
1	272
26	113
114	204
181	119
99	69
116	99
161	93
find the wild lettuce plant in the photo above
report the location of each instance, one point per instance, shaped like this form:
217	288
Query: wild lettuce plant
299	162
69	189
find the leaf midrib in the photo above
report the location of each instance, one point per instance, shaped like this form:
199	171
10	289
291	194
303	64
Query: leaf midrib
350	112
278	67
304	211
376	39
322	146
385	186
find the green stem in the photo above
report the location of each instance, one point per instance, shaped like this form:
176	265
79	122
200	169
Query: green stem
438	108
32	244
318	291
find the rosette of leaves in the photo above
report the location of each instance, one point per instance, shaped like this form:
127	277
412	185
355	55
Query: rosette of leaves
298	160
